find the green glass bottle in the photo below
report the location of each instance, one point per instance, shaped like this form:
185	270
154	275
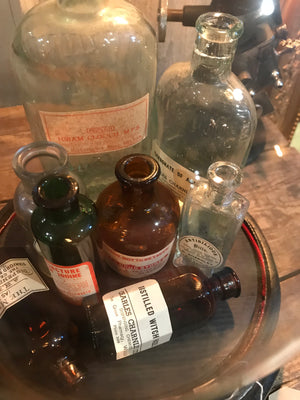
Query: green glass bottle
62	224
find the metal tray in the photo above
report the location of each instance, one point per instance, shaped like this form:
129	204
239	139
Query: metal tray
190	367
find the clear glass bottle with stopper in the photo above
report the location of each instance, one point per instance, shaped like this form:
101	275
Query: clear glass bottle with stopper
87	73
211	217
203	105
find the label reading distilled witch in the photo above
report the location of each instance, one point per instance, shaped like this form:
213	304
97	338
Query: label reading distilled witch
200	251
100	130
138	317
18	279
75	281
134	266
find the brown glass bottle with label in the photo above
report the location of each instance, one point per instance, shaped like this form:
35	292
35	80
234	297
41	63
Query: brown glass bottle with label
146	314
137	218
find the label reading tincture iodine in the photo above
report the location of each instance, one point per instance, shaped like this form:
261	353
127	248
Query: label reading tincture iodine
139	318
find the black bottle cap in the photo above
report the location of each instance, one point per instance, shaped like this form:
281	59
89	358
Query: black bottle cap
229	283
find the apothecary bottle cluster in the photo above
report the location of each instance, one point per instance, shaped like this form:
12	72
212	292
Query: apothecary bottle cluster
88	73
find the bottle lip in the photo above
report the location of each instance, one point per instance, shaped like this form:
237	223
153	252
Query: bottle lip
229	282
55	191
219	27
137	169
31	151
225	174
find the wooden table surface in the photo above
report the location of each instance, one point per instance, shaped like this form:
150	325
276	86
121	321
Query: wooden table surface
271	183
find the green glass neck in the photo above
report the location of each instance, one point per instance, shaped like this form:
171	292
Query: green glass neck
63	214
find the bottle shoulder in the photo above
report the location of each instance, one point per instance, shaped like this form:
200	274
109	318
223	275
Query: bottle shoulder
201	198
75	227
114	198
178	82
48	27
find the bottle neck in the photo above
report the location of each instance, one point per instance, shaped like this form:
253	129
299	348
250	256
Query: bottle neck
57	195
137	173
36	160
224	178
210	62
215	46
225	284
64	213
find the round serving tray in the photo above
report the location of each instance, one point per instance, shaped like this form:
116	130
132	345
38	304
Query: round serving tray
189	367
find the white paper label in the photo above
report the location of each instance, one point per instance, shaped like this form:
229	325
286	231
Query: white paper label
74	282
173	174
98	131
18	279
139	318
200	251
137	267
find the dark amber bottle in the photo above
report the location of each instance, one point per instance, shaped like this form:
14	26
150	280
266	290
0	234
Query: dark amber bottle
62	224
35	324
137	218
146	314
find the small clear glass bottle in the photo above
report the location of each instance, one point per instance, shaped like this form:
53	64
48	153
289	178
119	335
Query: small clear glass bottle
204	106
62	224
137	218
87	74
31	163
154	312
211	217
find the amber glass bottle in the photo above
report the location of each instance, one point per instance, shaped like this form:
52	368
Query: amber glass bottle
146	314
137	218
35	325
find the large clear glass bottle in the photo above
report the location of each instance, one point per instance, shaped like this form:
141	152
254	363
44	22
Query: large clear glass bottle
137	218
87	71
211	217
62	224
154	312
205	114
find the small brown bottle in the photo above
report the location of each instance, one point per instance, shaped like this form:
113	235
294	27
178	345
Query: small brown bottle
146	314
137	218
